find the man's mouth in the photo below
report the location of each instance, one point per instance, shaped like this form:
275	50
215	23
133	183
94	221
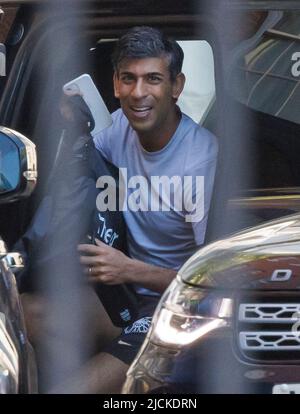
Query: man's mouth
141	111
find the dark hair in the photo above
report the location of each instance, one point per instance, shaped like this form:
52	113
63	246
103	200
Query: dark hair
144	42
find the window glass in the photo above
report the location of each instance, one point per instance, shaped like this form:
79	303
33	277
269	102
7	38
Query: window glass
263	79
266	77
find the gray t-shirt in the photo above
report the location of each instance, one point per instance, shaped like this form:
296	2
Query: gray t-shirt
163	238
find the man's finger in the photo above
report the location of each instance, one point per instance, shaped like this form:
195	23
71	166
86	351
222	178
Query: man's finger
89	260
90	249
101	244
101	279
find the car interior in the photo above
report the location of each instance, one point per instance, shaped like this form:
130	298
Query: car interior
36	113
264	157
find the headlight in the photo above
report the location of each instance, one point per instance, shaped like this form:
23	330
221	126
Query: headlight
186	313
184	316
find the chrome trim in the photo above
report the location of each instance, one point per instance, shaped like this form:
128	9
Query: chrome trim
264	313
258	341
14	261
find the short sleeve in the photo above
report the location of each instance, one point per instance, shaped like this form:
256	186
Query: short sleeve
105	141
102	143
202	194
199	183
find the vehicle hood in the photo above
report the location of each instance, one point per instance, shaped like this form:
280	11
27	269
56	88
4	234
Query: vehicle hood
262	257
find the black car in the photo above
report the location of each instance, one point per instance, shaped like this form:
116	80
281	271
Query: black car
17	180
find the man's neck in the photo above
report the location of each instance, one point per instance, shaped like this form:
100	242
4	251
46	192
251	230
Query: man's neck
155	141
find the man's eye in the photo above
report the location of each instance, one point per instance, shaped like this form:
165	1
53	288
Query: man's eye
126	79
154	78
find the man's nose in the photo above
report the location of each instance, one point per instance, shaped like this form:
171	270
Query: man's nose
139	90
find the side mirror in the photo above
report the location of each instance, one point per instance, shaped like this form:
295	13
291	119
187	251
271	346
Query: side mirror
18	166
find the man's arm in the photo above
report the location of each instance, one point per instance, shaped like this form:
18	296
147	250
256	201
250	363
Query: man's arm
110	266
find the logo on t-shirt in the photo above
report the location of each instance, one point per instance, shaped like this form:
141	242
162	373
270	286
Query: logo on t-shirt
108	235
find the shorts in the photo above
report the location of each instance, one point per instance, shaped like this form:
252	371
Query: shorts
126	346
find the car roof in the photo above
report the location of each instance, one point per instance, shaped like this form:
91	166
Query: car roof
97	3
165	6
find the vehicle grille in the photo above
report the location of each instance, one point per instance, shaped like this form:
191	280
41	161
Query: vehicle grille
269	331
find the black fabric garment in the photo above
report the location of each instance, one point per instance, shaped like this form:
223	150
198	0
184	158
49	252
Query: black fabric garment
67	214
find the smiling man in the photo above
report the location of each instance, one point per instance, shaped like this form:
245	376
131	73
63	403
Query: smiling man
147	95
149	138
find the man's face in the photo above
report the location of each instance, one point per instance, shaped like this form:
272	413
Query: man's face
147	94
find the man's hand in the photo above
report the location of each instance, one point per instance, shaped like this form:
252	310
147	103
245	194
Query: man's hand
108	265
76	114
104	263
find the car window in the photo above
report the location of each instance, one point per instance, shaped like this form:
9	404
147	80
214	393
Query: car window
269	73
264	83
259	168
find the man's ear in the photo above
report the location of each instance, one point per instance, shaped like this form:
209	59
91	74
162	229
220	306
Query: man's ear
116	85
178	85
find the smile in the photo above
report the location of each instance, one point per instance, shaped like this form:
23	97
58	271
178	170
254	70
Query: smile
141	112
141	109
